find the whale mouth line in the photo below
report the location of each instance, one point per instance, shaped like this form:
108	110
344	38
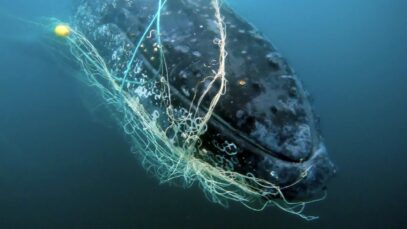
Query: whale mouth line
249	144
244	141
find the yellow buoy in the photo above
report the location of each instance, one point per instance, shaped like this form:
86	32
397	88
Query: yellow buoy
62	30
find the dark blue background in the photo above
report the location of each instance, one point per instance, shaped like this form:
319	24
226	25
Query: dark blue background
63	164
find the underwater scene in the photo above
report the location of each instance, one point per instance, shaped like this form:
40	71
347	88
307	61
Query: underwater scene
203	114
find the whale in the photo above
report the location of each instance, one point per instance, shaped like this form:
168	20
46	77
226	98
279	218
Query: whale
263	125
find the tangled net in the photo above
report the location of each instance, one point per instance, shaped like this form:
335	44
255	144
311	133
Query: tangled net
168	143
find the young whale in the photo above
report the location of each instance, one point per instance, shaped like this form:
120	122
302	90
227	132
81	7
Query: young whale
263	124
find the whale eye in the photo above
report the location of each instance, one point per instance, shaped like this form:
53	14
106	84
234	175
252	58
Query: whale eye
273	109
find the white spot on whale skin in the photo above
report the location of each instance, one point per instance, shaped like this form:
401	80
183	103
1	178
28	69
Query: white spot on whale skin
274	174
240	114
211	25
182	48
196	53
183	74
185	91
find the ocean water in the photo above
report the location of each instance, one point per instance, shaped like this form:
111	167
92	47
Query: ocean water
65	164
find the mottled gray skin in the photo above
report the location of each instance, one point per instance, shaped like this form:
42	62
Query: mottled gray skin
265	112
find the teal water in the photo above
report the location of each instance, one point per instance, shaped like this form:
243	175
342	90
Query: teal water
63	164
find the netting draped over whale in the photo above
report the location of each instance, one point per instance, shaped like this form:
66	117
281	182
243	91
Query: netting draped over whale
165	103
